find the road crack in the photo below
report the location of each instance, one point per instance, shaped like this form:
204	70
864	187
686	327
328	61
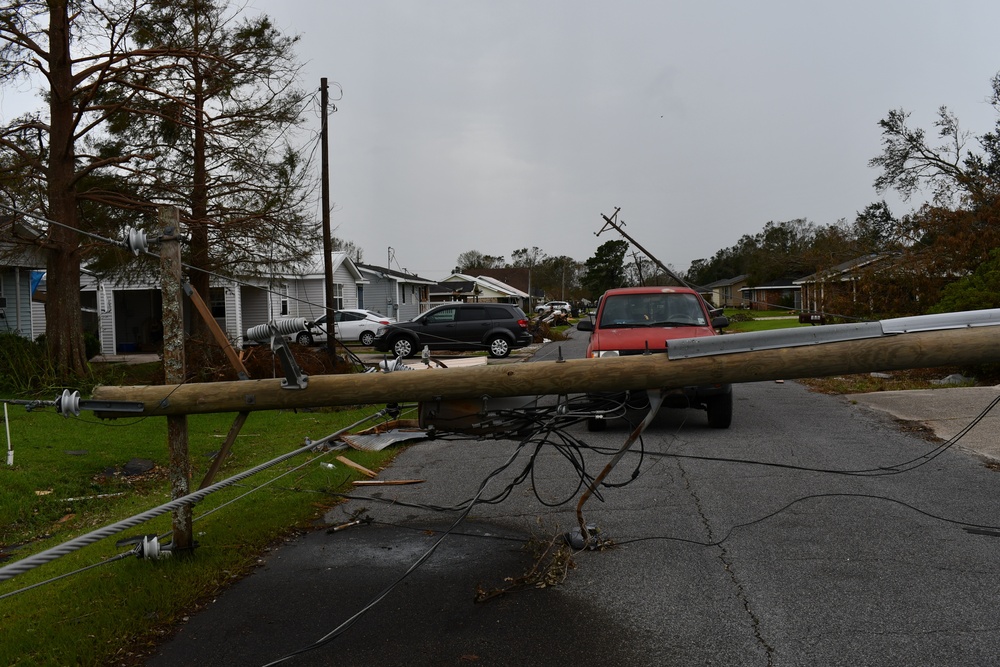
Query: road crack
723	556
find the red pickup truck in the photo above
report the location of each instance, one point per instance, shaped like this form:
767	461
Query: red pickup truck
640	320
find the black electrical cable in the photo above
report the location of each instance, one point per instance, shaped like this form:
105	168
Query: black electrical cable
993	529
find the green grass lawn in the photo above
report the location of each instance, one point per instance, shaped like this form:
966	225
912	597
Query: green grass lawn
762	325
66	482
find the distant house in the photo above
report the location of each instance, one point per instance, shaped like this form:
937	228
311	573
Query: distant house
481	288
22	264
393	293
726	293
515	277
781	293
834	283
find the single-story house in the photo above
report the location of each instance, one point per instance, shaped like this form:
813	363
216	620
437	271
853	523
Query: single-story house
781	293
129	313
726	293
822	287
395	294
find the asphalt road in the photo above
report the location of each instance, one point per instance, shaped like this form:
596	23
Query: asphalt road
812	532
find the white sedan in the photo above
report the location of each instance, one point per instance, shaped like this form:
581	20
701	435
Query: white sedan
554	305
348	325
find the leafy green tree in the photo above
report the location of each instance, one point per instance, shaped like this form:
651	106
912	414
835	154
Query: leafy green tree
956	230
558	277
979	290
606	269
470	260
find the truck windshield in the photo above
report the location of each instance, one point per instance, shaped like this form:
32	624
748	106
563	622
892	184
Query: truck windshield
661	309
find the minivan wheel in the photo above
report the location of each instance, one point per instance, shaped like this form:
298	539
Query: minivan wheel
304	338
499	347
367	338
403	347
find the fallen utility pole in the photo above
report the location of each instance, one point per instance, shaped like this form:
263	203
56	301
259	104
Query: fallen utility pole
922	342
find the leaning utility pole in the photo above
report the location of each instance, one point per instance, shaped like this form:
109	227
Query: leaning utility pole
329	303
617	226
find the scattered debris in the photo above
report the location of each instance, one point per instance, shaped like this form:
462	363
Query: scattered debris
954	378
552	562
99	496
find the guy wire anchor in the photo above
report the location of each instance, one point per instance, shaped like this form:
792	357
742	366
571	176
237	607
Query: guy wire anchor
587	536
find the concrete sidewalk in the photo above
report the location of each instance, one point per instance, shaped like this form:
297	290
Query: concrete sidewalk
946	412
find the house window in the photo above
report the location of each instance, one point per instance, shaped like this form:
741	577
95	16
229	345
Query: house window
217	302
403	293
284	299
361	296
338	296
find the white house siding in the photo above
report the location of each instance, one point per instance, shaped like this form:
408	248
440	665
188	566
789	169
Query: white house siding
379	293
15	287
37	319
106	317
411	307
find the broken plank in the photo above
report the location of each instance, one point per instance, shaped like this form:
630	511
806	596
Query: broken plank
357	466
381	482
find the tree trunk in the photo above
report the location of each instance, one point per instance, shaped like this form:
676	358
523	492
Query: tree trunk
199	243
63	327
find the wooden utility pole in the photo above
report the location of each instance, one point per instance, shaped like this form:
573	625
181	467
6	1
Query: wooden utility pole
921	349
174	371
617	226
329	303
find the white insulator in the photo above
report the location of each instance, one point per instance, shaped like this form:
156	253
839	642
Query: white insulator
289	325
137	241
68	403
150	548
260	333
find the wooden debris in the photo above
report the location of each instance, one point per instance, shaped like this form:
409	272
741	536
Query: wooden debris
387	482
357	466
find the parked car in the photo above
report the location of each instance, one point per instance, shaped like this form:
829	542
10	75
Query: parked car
564	306
349	324
497	328
634	320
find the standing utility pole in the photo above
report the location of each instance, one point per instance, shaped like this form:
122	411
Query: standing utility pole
327	240
174	371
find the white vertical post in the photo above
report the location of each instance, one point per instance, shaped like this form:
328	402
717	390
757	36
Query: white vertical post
10	447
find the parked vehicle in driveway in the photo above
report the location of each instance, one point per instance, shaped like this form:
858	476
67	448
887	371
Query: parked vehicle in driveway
497	328
637	320
350	324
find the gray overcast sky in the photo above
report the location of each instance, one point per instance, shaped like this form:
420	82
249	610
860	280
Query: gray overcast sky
493	126
500	125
